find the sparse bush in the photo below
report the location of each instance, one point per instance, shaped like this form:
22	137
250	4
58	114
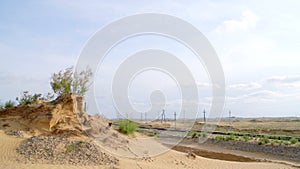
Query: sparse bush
246	138
219	138
263	140
152	134
193	134
127	126
272	142
68	81
293	140
27	98
230	137
253	120
9	104
81	142
70	147
204	135
266	140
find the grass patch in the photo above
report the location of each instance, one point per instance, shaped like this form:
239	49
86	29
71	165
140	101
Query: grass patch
219	138
230	137
9	104
204	135
152	134
246	138
81	142
193	134
293	140
263	140
70	148
127	126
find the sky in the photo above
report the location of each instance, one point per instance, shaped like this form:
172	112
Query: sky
257	43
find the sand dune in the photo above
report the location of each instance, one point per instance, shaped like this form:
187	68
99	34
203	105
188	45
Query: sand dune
65	116
169	160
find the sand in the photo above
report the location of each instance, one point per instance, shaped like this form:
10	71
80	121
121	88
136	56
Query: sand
67	116
169	160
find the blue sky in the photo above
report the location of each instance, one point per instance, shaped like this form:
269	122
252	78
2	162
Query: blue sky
257	43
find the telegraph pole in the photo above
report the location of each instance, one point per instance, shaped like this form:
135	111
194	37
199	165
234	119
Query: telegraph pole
175	118
204	117
229	118
163	116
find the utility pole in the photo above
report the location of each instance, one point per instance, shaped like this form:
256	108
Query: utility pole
141	116
204	117
163	116
146	116
229	118
175	118
183	116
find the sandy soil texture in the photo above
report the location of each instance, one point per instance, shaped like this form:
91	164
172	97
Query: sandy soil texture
169	160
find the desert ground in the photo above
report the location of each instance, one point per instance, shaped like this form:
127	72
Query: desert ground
24	130
171	159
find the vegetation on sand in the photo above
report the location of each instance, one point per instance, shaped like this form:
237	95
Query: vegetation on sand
127	126
67	81
9	104
293	140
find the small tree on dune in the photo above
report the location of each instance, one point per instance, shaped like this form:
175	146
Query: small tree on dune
67	81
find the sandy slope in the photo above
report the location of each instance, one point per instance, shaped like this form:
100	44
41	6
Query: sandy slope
168	160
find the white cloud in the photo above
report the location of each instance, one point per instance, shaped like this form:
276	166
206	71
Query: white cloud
246	86
283	79
264	94
247	21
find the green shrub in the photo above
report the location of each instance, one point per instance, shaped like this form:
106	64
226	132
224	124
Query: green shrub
293	140
204	135
219	138
127	126
27	98
70	147
1	106
266	140
246	138
152	134
193	134
263	140
9	104
230	137
68	81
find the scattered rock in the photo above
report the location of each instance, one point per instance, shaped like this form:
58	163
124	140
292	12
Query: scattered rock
15	133
6	125
191	155
57	150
